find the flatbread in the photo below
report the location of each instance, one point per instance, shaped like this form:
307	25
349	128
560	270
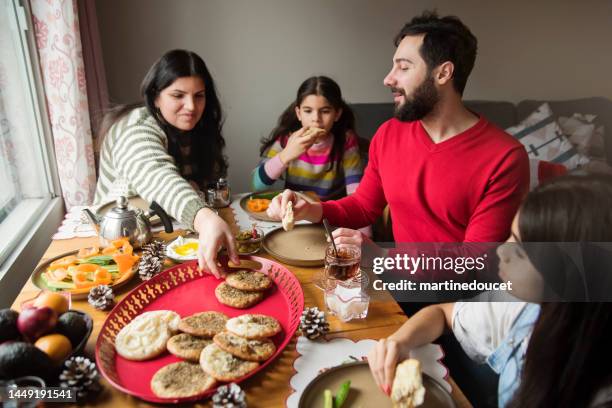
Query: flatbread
237	298
146	336
250	350
187	347
180	380
223	366
204	324
288	220
249	281
253	326
408	390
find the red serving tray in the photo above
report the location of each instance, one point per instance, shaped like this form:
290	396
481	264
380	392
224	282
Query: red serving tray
186	291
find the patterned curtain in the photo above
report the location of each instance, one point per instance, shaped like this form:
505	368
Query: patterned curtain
56	25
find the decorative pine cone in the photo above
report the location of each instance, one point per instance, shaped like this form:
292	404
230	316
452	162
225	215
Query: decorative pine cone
313	323
101	297
229	396
149	266
155	248
80	373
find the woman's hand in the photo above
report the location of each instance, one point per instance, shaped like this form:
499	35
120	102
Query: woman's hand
298	143
214	233
302	209
383	360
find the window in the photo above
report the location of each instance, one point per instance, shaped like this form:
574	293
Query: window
28	181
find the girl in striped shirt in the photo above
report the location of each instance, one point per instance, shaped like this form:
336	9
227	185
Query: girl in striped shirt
314	146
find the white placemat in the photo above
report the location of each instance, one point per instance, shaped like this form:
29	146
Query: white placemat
318	355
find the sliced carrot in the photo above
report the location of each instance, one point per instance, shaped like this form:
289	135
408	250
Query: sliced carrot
110	250
102	276
258	204
118	243
125	262
85	267
63	263
87	252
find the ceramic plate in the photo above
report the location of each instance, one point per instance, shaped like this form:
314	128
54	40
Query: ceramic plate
304	245
364	392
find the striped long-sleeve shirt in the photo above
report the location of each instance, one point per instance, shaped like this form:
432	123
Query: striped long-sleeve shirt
310	171
134	159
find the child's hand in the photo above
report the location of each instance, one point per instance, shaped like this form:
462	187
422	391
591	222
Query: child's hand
298	143
383	359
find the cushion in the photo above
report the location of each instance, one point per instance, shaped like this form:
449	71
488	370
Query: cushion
541	171
544	140
581	131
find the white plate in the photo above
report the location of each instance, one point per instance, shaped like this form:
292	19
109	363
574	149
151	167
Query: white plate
176	243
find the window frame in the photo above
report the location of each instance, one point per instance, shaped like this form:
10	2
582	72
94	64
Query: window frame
27	246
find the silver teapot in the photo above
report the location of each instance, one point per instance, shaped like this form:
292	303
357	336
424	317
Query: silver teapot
124	222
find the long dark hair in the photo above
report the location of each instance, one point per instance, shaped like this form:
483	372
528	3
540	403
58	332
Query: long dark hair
288	121
568	356
207	141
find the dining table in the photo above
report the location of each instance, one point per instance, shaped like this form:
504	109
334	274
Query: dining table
271	387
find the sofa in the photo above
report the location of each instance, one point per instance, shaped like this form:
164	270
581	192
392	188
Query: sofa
369	116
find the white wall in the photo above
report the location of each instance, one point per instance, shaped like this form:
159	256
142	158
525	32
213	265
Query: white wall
259	51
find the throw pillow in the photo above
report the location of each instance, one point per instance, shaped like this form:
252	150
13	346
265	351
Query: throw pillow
583	134
544	140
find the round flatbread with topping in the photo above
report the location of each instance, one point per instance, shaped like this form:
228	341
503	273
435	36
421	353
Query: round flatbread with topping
250	350
223	366
237	298
249	281
181	380
187	347
204	324
253	326
146	336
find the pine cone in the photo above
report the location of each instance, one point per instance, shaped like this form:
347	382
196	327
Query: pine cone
313	323
155	248
229	396
101	297
80	373
149	266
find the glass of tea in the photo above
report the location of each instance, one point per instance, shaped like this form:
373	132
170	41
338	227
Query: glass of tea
344	264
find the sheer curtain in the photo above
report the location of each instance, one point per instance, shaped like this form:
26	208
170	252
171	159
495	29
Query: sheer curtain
56	25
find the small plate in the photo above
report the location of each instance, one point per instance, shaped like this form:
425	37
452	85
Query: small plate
261	215
178	242
364	392
304	245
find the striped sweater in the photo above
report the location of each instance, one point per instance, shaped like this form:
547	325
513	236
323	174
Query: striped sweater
134	160
309	172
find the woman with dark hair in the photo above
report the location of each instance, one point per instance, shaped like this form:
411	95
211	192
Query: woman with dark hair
314	146
170	147
548	354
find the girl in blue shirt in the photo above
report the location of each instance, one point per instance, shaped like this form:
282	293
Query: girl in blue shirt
550	354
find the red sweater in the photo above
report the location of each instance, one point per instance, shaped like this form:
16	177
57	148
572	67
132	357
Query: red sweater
466	188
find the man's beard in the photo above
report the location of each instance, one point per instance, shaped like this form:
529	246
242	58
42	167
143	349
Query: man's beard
424	99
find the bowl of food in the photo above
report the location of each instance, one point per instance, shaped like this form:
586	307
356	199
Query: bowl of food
249	241
183	249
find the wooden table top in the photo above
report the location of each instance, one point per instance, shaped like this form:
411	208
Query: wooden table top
270	387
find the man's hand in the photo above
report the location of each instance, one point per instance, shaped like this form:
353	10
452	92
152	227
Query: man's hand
302	209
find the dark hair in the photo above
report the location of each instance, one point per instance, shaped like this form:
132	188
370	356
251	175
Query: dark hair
446	39
207	140
288	121
567	360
